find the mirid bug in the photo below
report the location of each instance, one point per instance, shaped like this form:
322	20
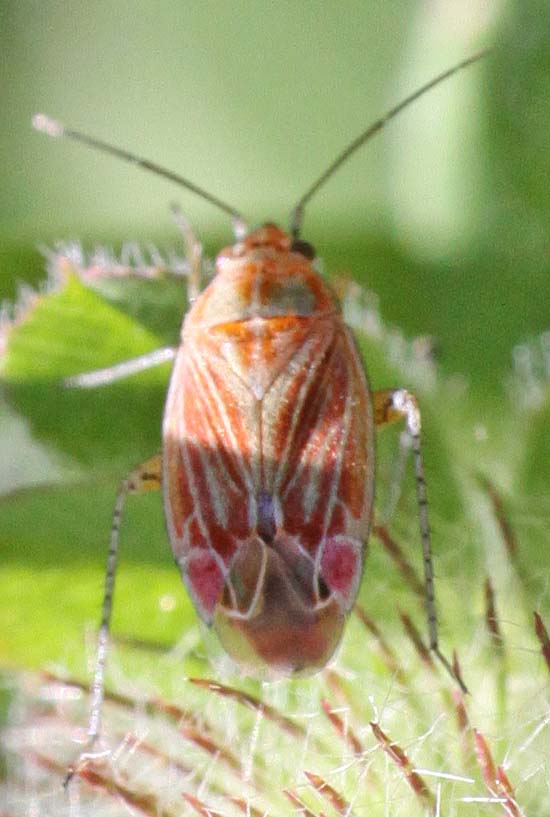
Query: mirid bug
267	465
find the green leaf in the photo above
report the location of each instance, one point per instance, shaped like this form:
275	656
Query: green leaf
75	330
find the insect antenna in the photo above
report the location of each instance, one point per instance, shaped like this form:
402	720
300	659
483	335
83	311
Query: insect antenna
55	129
297	214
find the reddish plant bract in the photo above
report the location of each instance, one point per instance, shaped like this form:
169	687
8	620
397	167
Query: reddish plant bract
268	457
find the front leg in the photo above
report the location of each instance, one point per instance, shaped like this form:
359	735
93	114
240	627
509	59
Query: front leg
118	371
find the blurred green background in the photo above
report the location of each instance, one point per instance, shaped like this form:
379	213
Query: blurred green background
444	215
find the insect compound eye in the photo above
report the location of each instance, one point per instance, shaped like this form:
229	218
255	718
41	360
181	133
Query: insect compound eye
304	248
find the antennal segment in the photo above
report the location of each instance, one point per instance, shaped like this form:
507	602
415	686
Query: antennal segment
297	214
51	127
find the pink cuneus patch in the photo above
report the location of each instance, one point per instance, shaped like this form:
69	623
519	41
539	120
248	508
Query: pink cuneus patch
341	567
205	579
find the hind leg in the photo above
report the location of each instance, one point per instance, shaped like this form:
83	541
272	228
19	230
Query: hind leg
146	477
390	406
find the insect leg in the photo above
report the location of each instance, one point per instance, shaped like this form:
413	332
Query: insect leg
390	406
103	377
146	477
193	252
396	478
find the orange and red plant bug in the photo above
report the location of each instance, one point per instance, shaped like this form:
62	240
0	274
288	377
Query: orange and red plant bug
267	466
